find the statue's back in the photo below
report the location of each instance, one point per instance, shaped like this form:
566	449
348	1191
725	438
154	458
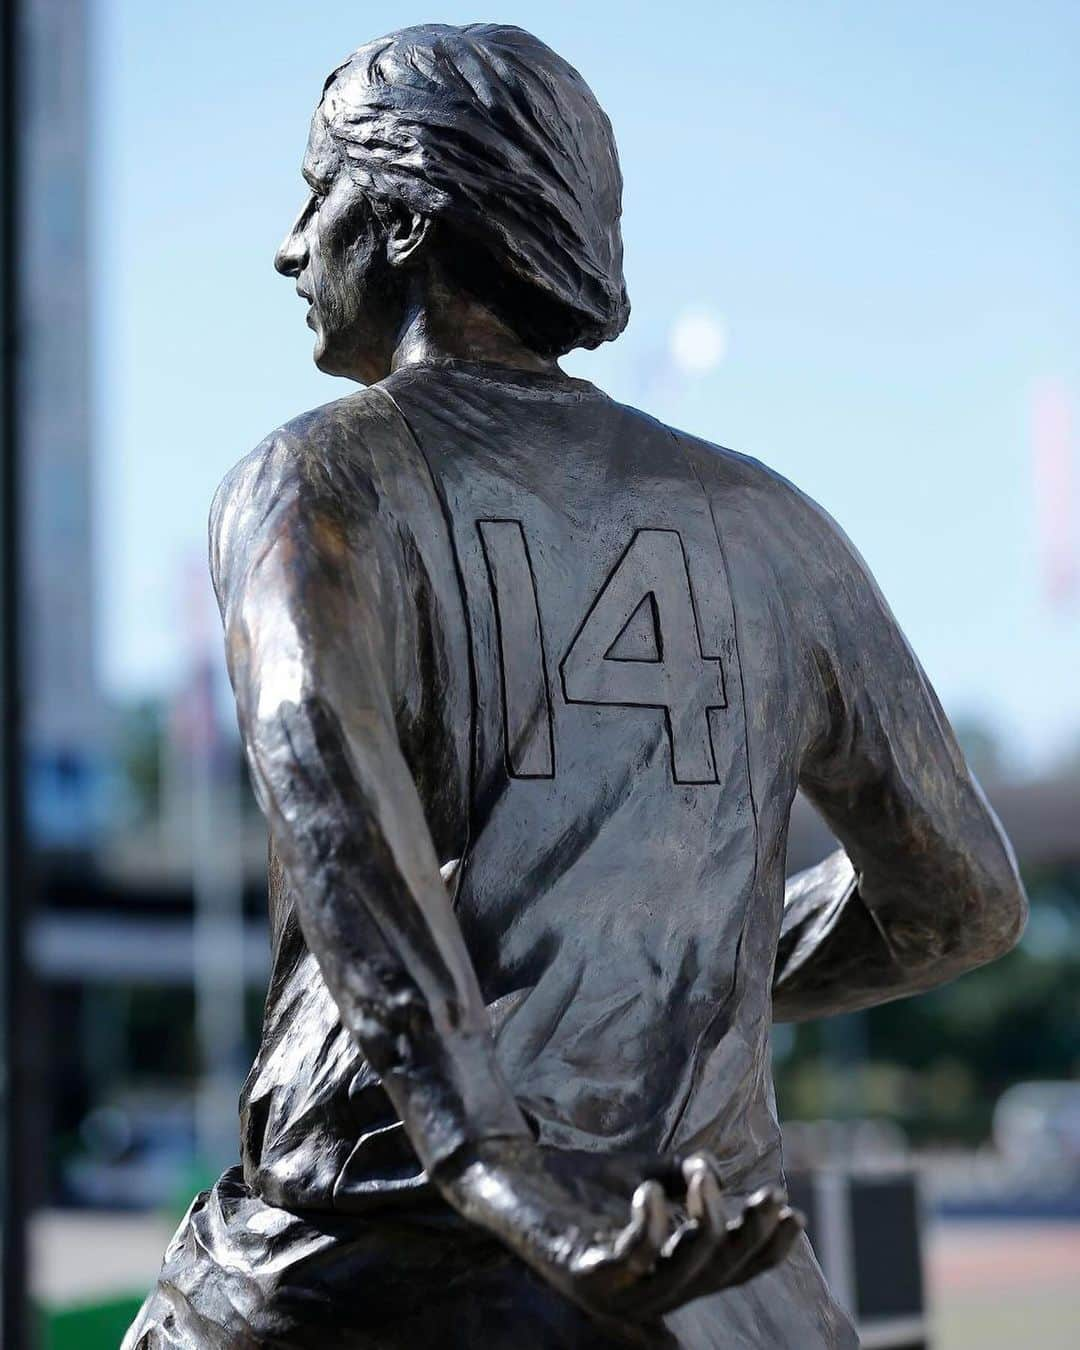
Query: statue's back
571	702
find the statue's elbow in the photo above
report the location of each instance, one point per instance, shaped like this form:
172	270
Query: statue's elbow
1003	916
1014	911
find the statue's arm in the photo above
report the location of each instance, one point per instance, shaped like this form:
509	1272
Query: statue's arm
925	886
310	588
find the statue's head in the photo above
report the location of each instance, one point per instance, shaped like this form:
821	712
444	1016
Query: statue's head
471	158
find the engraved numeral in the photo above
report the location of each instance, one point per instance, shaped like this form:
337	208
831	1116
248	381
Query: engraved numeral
640	646
530	749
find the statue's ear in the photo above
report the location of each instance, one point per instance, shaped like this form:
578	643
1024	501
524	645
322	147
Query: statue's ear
407	234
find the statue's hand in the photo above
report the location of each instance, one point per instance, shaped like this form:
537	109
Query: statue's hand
625	1239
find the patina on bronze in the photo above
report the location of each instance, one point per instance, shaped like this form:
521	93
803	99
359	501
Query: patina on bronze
527	683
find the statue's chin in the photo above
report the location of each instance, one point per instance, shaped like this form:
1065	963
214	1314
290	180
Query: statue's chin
322	356
340	360
325	362
322	353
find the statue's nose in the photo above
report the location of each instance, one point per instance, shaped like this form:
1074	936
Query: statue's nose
291	258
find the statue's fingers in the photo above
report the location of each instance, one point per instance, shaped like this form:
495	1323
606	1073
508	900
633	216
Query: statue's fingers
690	1251
745	1236
706	1254
696	1262
638	1246
789	1226
703	1202
686	1256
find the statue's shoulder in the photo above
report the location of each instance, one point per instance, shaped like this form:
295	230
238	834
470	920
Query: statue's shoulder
328	450
775	509
325	461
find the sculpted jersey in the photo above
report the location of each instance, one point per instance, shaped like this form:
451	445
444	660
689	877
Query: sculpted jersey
606	705
609	868
564	559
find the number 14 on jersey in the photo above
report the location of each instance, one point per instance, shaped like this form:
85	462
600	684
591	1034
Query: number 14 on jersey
639	645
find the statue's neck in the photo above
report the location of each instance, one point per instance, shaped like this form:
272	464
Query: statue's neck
448	326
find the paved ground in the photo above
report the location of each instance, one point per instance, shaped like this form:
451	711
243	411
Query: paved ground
78	1256
993	1286
1000	1286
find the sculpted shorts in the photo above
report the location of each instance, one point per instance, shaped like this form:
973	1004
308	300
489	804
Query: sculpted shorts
242	1275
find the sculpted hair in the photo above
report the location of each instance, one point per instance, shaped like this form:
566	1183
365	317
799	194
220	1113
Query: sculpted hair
493	134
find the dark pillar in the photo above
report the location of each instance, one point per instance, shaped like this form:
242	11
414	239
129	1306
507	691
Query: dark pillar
14	1323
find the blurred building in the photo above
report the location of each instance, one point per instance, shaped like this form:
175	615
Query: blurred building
63	712
128	893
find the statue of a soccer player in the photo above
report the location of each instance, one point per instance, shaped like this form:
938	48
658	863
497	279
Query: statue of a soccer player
527	683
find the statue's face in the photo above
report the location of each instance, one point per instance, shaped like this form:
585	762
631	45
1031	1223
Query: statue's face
336	251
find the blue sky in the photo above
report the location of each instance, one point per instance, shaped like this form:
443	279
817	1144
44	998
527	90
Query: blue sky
876	204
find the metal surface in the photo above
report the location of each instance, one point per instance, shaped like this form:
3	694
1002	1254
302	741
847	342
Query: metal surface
527	682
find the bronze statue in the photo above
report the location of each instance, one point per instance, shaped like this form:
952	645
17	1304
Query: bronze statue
527	683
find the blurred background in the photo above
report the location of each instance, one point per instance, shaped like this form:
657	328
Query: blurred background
851	243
